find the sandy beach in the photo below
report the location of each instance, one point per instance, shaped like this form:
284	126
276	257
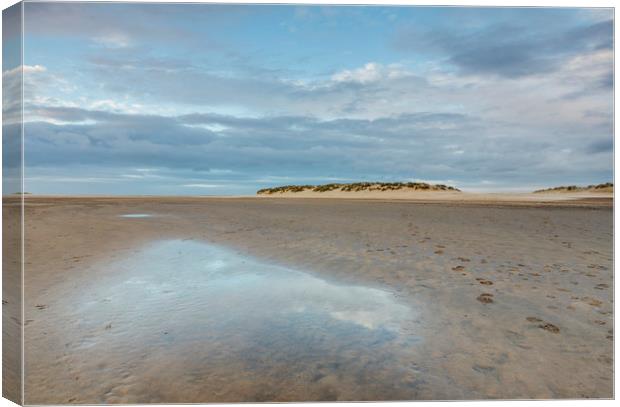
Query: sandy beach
460	299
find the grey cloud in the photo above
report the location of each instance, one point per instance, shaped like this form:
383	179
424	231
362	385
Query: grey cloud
509	49
98	19
601	146
268	144
11	146
431	145
136	25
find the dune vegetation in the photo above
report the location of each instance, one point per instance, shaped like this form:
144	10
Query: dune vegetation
358	187
606	187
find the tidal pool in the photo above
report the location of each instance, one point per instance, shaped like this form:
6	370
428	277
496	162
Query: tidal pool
136	215
182	321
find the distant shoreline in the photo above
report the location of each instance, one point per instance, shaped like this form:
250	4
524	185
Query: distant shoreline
578	199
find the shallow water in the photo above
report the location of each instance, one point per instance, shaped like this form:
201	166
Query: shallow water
136	215
182	321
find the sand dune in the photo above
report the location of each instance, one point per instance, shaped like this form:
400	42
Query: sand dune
601	194
600	188
359	187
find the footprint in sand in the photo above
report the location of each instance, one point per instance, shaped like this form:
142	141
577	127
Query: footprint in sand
484	369
458	268
592	301
484	282
547	326
564	290
40	306
485	298
601	286
438	252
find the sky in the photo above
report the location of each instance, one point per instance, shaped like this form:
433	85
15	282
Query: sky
194	99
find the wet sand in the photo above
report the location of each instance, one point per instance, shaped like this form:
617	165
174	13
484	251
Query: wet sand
486	300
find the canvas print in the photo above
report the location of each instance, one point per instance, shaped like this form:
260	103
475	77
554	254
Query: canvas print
208	203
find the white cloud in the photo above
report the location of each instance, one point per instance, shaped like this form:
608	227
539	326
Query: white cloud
26	69
113	40
12	82
371	72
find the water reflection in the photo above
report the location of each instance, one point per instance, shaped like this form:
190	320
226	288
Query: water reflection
136	215
182	321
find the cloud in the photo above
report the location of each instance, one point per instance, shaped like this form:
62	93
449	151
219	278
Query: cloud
131	25
255	152
15	81
114	40
371	91
371	72
605	145
527	53
526	44
105	24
